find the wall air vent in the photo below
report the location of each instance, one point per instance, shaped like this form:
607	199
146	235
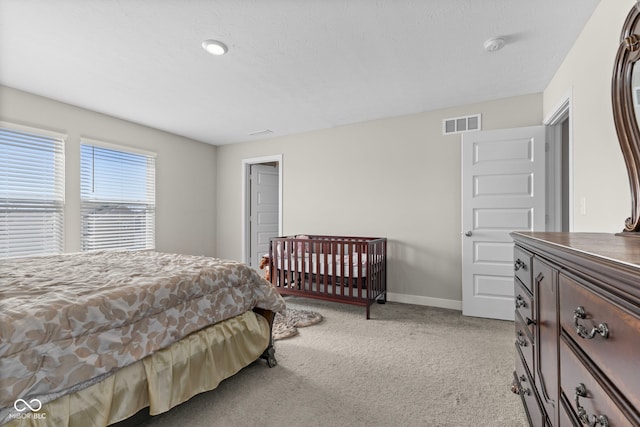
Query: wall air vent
462	124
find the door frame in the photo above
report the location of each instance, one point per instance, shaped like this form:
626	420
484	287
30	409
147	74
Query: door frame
246	199
555	163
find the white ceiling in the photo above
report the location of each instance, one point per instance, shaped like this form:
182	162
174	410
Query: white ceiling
292	65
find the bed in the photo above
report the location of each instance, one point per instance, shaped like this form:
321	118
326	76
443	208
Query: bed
90	339
345	269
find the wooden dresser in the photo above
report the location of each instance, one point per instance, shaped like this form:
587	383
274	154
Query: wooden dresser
577	326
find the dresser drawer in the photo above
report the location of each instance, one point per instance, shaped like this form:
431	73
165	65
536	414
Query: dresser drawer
528	394
617	355
524	303
524	342
522	266
582	391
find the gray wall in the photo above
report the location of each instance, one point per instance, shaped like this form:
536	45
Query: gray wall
185	175
398	178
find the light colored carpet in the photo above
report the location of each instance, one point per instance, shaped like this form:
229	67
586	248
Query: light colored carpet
407	366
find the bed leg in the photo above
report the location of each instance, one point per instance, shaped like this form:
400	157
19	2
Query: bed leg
270	353
270	356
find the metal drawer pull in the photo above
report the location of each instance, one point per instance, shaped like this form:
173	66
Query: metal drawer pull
520	390
520	302
519	264
602	328
581	391
525	391
520	339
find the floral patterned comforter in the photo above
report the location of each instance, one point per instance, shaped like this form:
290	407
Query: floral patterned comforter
67	318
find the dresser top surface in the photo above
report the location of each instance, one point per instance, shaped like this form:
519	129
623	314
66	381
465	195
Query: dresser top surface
623	250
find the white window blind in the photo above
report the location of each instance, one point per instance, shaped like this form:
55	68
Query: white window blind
117	189
31	192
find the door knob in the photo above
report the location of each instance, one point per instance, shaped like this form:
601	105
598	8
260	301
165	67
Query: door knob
468	234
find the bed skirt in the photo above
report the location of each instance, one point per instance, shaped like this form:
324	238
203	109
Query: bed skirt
197	363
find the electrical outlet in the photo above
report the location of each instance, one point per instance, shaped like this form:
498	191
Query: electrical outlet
583	205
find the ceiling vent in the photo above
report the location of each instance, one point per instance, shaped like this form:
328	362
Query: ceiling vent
260	132
462	124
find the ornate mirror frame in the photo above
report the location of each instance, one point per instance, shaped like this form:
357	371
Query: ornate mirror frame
624	113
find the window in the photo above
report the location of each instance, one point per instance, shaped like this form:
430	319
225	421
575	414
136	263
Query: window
117	190
31	191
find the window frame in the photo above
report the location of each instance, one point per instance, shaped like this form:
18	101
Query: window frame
56	240
85	204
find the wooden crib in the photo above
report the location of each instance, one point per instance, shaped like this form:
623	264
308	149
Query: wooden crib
350	270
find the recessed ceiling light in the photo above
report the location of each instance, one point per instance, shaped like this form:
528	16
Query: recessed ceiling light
214	47
493	44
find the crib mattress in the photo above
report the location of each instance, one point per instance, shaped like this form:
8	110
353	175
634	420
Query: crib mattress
350	266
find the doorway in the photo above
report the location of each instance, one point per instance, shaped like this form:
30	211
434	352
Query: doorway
503	190
487	256
262	206
560	197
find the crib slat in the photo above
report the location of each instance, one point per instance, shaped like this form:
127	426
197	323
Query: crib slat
334	251
359	275
316	267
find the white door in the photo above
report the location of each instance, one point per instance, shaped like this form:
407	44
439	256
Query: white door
503	190
263	210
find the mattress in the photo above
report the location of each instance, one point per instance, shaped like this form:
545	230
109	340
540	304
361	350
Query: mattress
70	318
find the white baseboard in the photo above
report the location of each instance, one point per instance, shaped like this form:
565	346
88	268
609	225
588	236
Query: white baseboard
428	301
